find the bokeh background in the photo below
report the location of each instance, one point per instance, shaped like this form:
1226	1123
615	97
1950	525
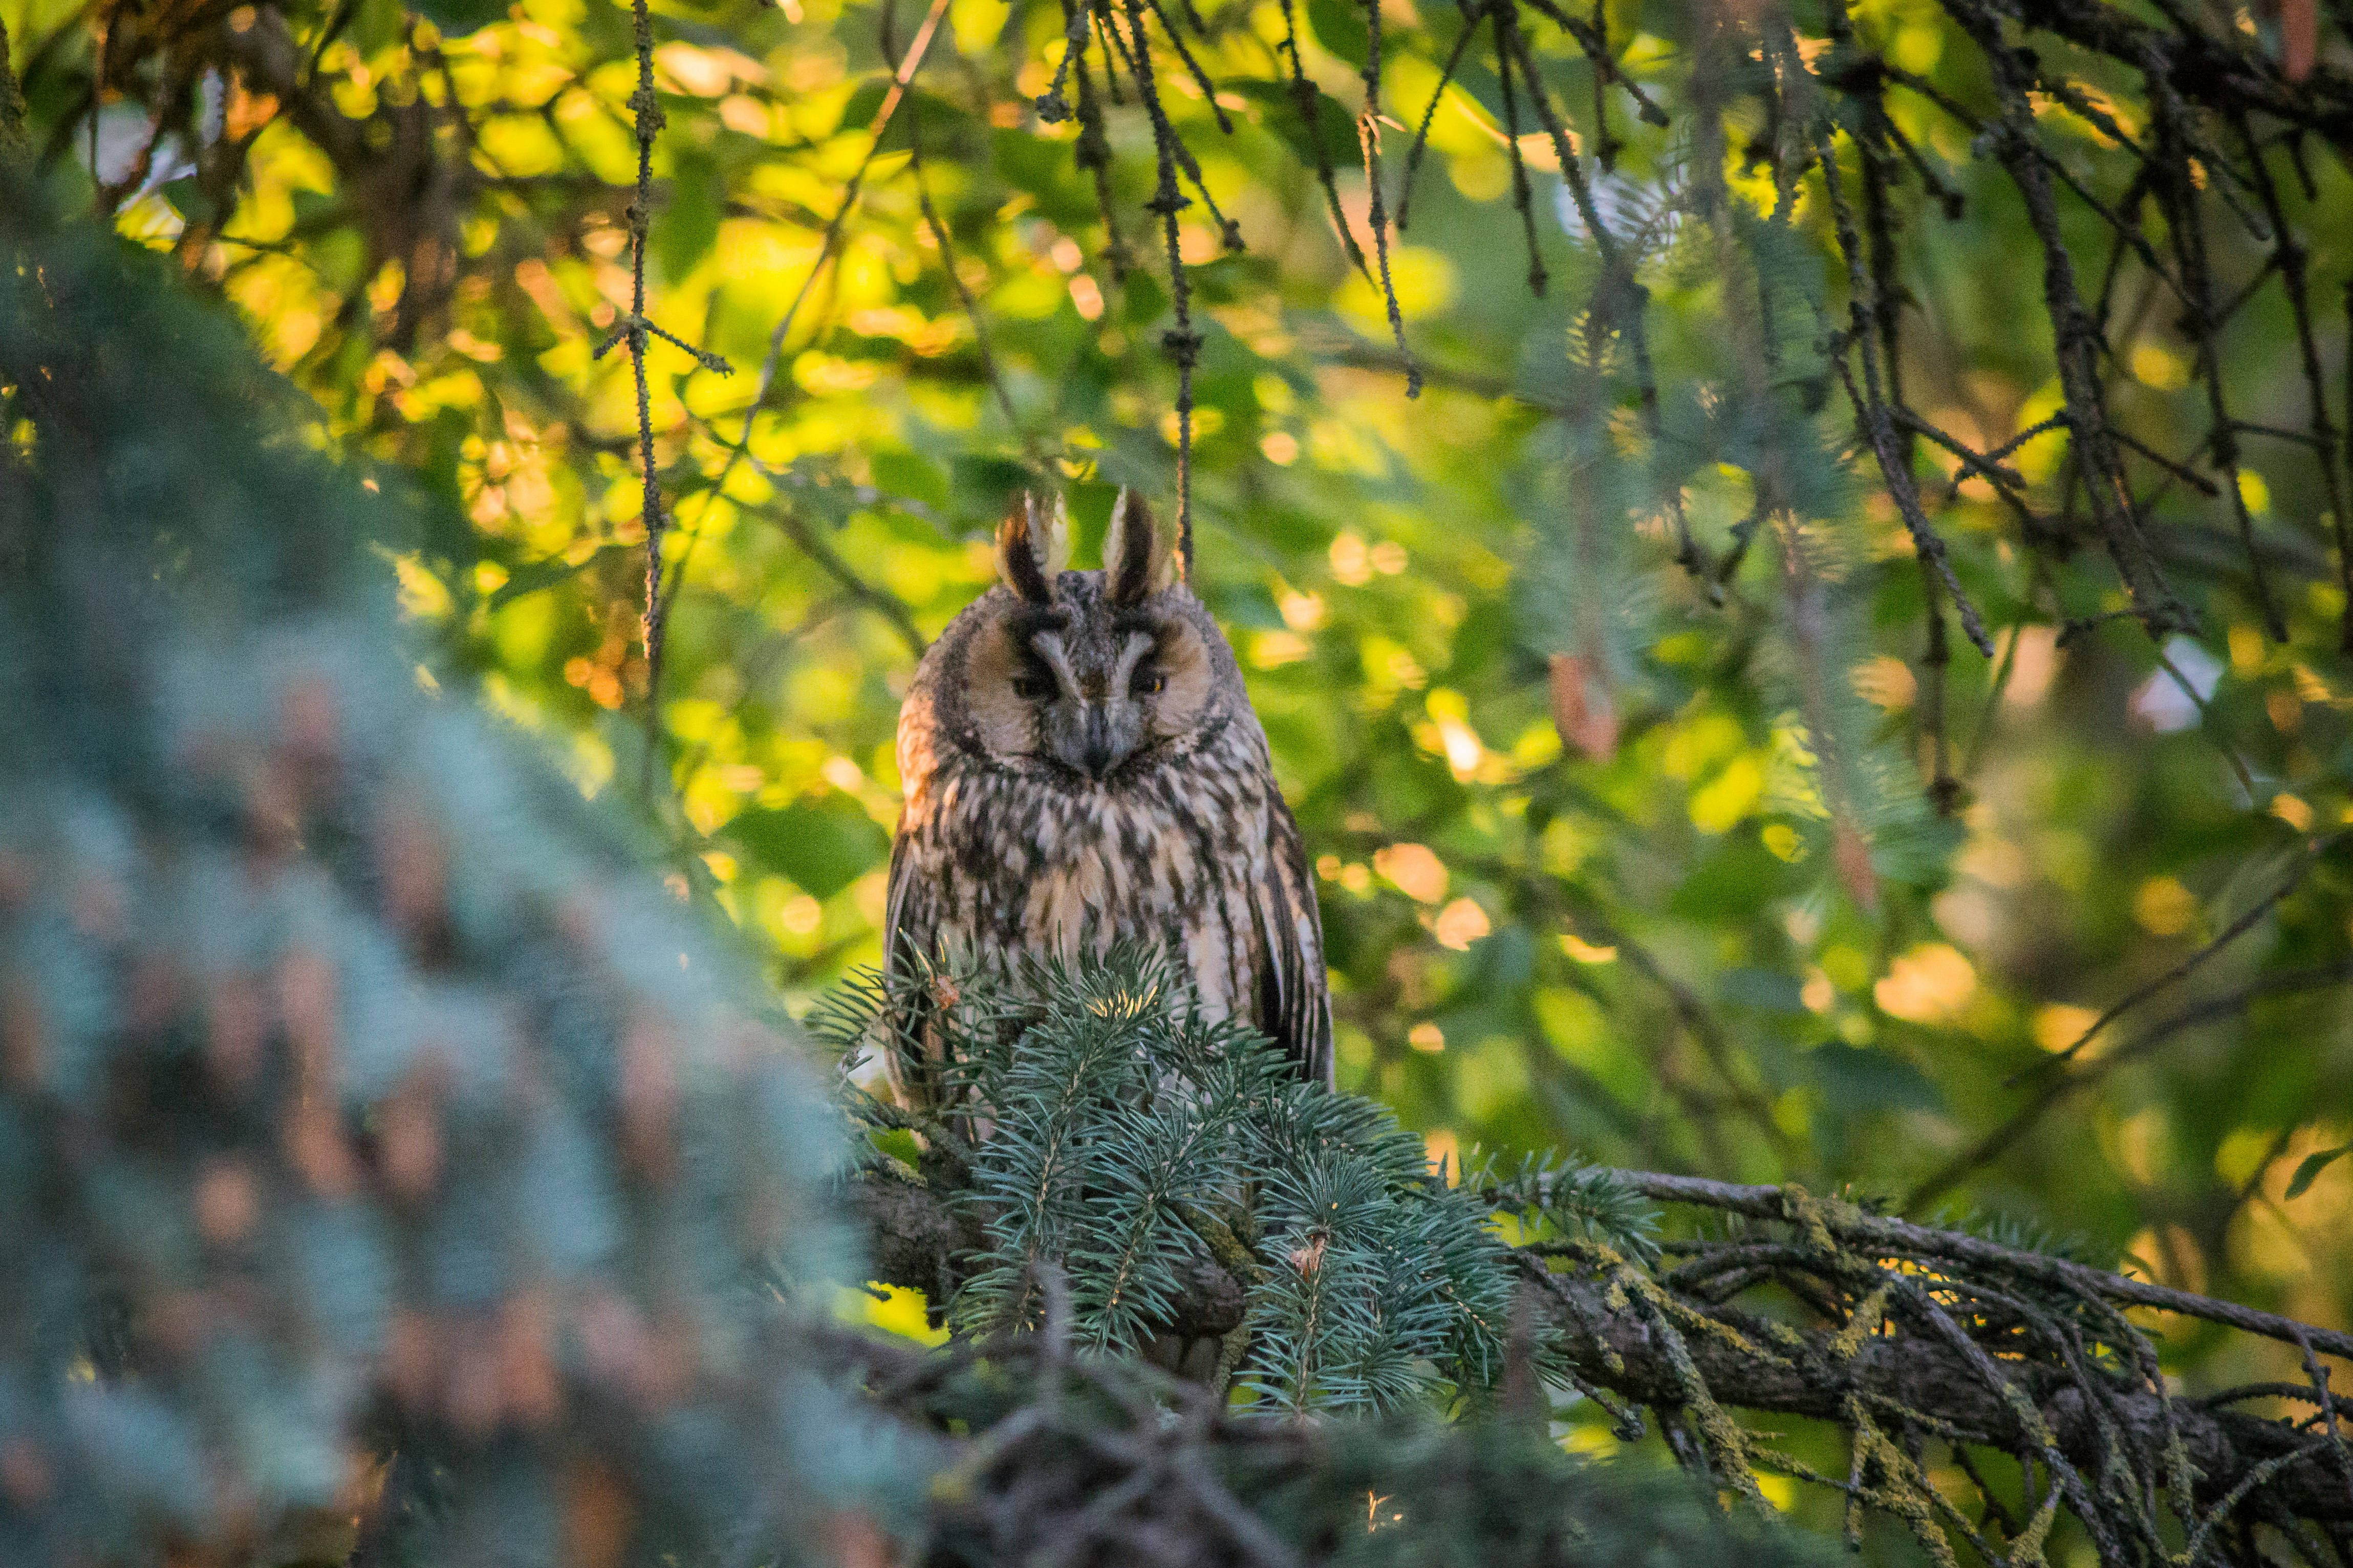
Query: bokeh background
1605	864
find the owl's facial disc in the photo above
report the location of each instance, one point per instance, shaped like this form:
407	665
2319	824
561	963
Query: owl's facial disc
1085	687
1092	698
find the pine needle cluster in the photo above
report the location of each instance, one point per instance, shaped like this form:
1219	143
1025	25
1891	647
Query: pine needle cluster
1112	1134
1551	1194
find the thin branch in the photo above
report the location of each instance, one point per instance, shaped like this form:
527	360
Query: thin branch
1429	112
813	545
1309	99
939	232
901	79
1181	342
635	330
2246	922
1620	300
1871	411
1368	139
1991	1147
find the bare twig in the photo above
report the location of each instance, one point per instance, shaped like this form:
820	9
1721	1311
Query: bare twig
635	330
1368	138
901	79
1181	342
1991	1147
2238	928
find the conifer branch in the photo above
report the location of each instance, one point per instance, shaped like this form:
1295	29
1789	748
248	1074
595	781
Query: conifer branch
1610	1340
1111	1109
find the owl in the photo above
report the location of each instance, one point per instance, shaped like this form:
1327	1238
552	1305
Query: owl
1083	768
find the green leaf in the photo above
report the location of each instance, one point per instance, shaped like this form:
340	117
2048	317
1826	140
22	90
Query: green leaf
1767	990
187	197
983	485
2309	1172
1340	28
863	103
912	477
458	17
822	845
310	207
1858	1081
1333	126
688	223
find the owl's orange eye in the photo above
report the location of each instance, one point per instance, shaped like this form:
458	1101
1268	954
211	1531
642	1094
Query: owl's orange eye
1030	688
1147	683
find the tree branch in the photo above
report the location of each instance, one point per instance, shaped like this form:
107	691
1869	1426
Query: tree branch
1944	1352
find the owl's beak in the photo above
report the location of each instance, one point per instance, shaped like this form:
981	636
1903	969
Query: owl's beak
1102	751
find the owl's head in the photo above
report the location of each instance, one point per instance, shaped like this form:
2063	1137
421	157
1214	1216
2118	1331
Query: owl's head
1090	675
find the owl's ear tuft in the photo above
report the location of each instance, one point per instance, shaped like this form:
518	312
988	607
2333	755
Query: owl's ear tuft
1032	547
1139	554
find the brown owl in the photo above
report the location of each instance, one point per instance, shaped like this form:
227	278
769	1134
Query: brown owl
1083	768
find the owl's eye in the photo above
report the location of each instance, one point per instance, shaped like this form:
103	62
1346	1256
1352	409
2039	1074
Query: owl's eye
1147	683
1030	688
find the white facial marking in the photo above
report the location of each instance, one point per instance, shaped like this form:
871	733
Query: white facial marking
1138	645
1048	646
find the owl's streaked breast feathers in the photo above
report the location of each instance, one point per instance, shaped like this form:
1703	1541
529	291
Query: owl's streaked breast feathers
1082	768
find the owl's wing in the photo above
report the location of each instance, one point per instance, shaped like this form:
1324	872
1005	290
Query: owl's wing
1294	995
901	919
909	922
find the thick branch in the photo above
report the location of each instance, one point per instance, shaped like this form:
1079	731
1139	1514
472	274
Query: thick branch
1804	1375
1614	1340
1853	1225
2214	72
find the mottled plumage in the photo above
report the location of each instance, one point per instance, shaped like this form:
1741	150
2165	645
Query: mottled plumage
1082	768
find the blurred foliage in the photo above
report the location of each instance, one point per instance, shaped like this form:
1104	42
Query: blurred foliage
371	1125
1756	889
392	1173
